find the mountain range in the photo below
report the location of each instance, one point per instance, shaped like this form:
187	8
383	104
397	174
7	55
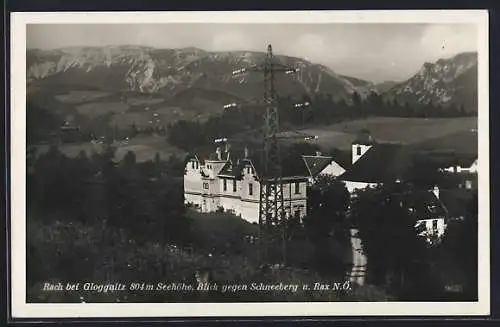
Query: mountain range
195	77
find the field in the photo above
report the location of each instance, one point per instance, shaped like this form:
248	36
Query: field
80	96
457	134
144	148
96	109
123	110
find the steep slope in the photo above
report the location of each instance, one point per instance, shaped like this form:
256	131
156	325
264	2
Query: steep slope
170	71
446	82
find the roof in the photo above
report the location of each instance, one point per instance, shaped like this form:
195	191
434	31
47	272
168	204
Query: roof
425	205
381	163
316	164
295	169
343	158
232	170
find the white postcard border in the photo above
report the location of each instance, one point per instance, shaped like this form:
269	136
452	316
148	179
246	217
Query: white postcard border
21	309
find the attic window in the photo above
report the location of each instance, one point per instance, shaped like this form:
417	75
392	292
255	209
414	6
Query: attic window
358	150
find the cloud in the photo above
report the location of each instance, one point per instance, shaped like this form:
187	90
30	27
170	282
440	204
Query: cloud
376	52
446	40
227	41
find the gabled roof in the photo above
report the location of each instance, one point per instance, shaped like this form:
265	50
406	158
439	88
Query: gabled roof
316	164
381	163
231	169
425	205
234	168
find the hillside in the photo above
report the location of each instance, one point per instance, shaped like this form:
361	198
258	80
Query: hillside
451	81
170	71
385	86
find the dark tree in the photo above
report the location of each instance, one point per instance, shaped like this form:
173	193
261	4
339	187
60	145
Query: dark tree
326	224
397	256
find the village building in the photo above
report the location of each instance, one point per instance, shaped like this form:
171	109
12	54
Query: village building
370	163
461	165
463	169
374	163
223	182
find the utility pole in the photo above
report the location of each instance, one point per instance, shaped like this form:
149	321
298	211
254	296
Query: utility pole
272	216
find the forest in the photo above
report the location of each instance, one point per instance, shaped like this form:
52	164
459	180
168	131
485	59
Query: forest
320	110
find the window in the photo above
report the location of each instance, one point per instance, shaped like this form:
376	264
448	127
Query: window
297	188
250	189
224	185
192	164
434	224
197	165
234	185
358	150
205	186
297	214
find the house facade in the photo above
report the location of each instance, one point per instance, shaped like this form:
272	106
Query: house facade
369	164
234	185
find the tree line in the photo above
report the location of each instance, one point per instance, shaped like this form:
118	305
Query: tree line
320	109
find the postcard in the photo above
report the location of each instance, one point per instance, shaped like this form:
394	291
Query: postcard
245	164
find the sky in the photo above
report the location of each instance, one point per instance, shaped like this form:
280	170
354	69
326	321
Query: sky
375	52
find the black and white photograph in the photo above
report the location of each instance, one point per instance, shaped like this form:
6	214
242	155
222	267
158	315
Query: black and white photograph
250	163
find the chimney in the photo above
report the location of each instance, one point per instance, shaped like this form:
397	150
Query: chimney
219	154
246	152
318	153
435	190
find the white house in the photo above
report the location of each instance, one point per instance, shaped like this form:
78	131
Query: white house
233	185
370	163
319	164
462	165
430	213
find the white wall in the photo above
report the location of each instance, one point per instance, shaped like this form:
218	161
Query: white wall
241	202
250	211
429	229
192	183
333	169
364	149
353	186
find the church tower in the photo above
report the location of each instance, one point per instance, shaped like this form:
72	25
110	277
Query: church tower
363	142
